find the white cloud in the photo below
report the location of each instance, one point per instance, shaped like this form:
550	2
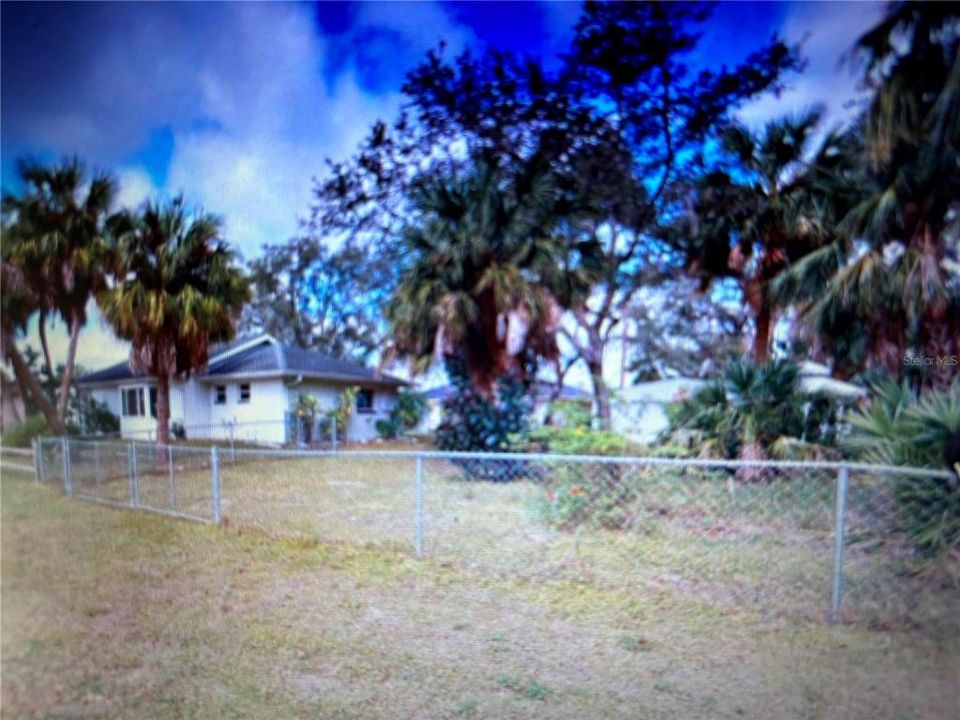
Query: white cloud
136	185
251	73
827	31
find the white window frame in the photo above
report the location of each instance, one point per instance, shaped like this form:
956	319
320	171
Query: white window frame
216	394
145	401
240	398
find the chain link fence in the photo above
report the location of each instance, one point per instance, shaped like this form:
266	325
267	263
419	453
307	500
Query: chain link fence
785	539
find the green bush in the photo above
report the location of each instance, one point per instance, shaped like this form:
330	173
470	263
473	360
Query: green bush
570	414
387	428
900	429
597	494
581	441
24	433
751	410
92	417
404	416
473	422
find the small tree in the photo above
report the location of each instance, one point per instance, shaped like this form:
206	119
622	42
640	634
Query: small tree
341	414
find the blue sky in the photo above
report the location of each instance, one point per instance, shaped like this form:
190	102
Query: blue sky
238	105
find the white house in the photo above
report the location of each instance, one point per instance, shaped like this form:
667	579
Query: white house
247	392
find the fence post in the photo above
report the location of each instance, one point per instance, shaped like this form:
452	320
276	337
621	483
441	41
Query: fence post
96	469
215	483
36	459
134	480
67	474
843	478
418	519
333	434
173	484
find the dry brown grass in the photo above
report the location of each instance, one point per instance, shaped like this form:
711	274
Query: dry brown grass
109	613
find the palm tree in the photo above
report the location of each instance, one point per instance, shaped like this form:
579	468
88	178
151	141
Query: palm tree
752	221
54	244
488	273
176	289
895	292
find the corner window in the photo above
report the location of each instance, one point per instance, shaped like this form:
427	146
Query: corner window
220	395
365	401
245	392
134	401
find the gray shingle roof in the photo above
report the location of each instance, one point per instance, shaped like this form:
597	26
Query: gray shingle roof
263	356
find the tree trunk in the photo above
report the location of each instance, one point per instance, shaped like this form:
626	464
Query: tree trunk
163	409
29	386
64	398
42	331
601	394
761	340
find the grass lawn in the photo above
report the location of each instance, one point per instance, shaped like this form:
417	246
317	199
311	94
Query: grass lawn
109	613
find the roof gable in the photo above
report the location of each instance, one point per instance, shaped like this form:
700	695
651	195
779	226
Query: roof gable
261	355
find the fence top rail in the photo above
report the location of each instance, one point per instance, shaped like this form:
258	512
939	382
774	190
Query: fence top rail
708	463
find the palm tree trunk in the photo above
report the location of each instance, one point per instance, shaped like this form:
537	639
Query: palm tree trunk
761	340
163	409
42	331
30	387
64	397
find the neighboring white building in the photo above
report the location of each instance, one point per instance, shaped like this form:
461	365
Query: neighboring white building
640	411
247	392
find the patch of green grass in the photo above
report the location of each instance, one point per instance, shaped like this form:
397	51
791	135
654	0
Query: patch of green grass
467	708
634	644
532	689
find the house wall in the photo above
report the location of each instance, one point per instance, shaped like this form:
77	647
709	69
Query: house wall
262	419
639	420
362	426
259	420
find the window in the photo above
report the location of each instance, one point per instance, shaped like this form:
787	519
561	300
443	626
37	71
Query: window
245	393
365	401
133	401
220	395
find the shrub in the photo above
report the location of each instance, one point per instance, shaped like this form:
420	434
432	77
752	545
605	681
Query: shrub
598	494
473	422
751	410
92	417
387	428
24	433
582	441
404	416
901	429
570	414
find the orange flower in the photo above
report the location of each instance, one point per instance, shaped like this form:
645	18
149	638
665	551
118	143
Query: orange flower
549	496
576	490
